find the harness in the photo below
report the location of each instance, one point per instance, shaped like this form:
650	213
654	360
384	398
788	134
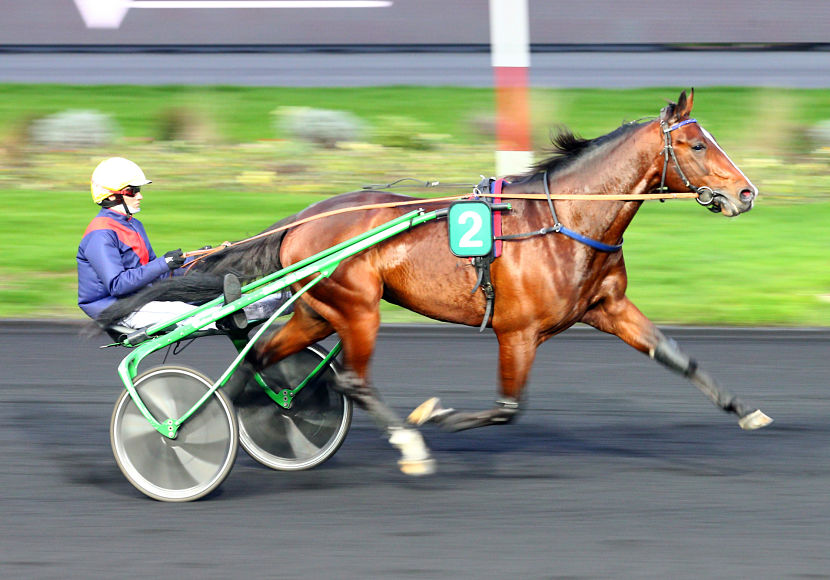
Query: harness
482	263
558	228
705	196
492	188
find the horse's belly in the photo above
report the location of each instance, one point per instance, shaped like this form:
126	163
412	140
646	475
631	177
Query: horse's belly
440	289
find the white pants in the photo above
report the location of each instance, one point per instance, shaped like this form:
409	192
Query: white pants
155	312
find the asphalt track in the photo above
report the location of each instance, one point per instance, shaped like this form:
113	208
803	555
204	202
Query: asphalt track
618	469
789	69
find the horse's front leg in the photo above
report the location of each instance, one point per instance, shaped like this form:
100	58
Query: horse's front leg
516	353
621	318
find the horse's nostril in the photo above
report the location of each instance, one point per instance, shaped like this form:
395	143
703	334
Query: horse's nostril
746	195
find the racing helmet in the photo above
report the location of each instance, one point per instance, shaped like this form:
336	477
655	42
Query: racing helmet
113	175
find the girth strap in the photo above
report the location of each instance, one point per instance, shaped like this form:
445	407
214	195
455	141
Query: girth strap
482	266
482	263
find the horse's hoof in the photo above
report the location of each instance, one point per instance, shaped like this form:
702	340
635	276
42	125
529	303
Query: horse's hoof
415	458
427	411
420	467
754	420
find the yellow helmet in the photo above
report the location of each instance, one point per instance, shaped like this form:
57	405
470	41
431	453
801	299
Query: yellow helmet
113	175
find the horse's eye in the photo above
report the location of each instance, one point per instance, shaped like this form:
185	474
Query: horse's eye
698	146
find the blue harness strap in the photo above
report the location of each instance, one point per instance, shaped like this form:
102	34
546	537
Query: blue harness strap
596	244
558	228
680	124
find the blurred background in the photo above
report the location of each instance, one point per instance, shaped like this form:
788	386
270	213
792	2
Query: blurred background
242	112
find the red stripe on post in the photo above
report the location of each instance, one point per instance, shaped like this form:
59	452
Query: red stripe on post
512	109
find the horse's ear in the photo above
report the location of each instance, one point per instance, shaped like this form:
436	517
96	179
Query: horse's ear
667	112
674	112
684	105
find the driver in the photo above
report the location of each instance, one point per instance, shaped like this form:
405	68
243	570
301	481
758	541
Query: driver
115	258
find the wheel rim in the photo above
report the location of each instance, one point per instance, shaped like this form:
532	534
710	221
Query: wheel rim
303	436
201	455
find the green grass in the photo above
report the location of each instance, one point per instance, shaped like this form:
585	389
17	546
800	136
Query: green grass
242	114
686	266
765	267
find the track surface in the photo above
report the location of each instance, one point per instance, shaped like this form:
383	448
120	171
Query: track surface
619	469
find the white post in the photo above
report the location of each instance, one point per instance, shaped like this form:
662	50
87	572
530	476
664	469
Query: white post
510	57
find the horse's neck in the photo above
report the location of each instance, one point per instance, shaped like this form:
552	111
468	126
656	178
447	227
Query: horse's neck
627	167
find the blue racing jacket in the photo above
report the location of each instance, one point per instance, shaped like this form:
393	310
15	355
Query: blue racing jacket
115	259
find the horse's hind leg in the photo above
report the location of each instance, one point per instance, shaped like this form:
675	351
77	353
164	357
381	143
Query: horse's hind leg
621	318
302	329
358	332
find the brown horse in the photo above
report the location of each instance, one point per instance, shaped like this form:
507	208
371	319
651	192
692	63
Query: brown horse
543	283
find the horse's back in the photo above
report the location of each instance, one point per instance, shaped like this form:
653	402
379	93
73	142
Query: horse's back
347	215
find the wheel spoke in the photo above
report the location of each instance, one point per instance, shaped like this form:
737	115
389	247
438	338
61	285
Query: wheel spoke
135	425
199	464
162	398
299	444
169	472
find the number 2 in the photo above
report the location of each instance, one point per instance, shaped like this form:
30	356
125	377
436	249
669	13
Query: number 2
467	240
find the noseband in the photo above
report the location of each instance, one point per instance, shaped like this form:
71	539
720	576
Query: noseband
705	194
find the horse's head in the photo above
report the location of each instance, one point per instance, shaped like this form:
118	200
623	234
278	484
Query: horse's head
693	159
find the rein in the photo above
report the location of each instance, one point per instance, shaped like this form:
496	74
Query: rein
202	254
697	193
705	196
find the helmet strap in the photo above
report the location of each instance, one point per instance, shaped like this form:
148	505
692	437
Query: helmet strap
119	200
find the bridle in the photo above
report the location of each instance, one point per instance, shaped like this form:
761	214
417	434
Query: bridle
705	194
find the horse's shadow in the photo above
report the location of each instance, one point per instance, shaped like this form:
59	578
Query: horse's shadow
78	449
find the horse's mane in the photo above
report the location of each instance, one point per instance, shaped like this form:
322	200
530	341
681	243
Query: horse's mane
567	147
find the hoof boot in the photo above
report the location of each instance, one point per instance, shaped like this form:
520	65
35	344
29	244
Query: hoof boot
754	420
416	468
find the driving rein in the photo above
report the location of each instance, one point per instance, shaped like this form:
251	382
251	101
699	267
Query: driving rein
705	196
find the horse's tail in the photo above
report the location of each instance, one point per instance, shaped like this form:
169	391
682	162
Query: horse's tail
196	287
248	260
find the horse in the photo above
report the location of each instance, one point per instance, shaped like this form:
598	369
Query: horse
544	282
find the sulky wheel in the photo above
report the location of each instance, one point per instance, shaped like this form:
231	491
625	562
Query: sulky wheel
202	454
307	433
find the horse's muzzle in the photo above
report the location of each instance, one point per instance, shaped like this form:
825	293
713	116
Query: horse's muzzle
718	202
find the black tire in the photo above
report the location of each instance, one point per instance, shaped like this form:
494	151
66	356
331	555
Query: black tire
201	456
308	433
